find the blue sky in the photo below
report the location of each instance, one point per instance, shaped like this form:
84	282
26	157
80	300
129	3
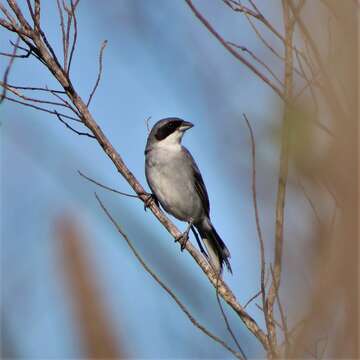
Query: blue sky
159	62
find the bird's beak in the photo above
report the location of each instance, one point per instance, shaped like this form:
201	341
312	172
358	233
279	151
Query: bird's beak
186	125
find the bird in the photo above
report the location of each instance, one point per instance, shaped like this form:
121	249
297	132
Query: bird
176	183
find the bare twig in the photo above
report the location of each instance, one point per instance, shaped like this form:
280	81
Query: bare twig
227	323
66	103
258	60
165	287
106	187
34	88
235	6
12	55
99	72
30	51
41	109
40	101
71	128
252	299
232	51
72	15
63	33
257	221
7	71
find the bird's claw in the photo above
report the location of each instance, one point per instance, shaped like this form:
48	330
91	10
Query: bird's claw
182	239
149	199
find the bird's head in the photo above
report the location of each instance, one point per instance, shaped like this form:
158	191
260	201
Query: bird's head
167	132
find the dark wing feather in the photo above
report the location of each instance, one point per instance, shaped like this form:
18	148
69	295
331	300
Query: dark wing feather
199	184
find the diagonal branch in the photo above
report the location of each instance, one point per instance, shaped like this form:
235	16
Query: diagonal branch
165	287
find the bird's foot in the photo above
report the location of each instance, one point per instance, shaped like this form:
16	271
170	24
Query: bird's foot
183	239
150	197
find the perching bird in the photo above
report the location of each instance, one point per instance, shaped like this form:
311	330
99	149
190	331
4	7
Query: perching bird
176	182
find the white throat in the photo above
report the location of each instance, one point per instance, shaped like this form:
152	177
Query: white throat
171	142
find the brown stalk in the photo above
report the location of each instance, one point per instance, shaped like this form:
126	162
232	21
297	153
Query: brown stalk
283	174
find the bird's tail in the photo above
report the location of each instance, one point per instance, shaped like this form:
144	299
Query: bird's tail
216	249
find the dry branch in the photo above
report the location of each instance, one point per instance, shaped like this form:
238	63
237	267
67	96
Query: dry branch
165	287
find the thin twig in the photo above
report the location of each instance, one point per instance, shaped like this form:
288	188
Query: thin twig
71	128
34	88
99	72
63	34
231	49
106	187
257	59
271	48
40	101
268	24
257	221
7	71
163	286
30	51
227	323
235	6
252	299
75	33
41	109
66	103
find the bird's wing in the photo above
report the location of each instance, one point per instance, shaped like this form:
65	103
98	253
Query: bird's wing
199	183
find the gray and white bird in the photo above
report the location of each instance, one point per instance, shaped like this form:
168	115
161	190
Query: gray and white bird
176	182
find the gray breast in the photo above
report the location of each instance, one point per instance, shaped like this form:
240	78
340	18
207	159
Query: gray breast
170	177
